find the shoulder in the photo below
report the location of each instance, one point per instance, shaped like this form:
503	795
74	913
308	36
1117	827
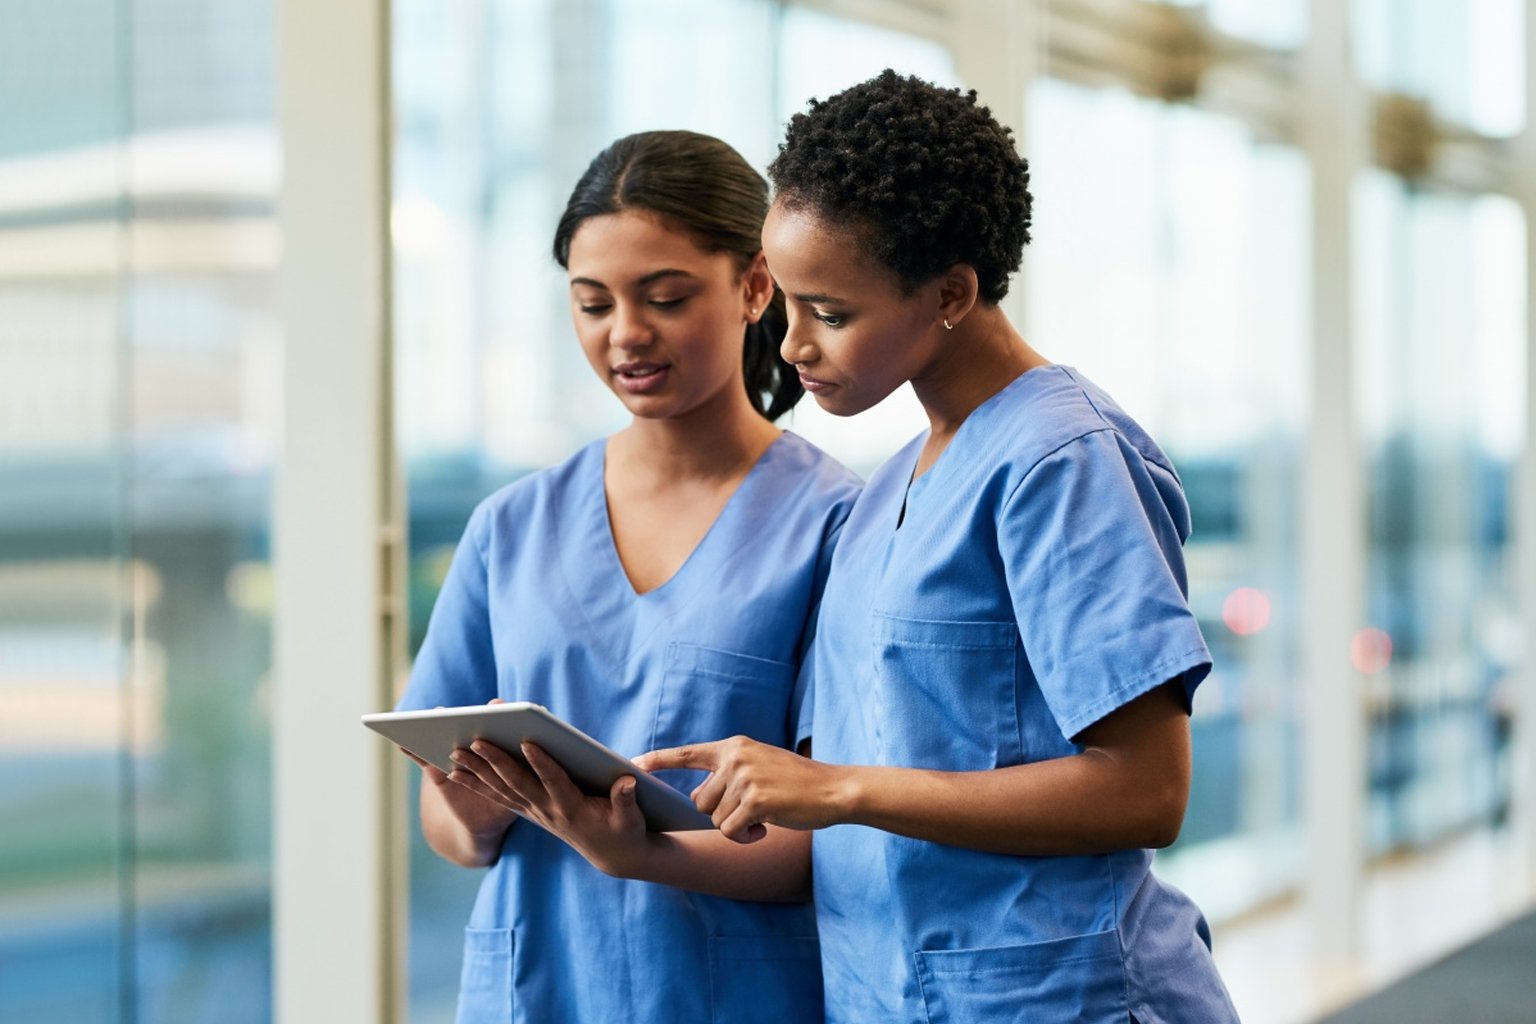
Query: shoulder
535	495
1055	411
804	473
1081	446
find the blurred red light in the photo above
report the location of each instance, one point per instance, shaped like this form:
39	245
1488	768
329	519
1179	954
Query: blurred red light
1370	650
1246	611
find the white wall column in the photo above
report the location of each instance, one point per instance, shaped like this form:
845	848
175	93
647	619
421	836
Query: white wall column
1334	133
996	45
335	908
1523	779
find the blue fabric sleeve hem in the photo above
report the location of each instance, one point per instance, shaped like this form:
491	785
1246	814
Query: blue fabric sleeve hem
1190	667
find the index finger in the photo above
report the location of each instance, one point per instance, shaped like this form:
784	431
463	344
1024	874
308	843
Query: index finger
697	755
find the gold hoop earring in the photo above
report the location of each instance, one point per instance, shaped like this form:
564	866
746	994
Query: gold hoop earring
948	326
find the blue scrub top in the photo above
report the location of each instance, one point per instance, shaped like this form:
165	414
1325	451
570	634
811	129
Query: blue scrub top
1034	584
537	607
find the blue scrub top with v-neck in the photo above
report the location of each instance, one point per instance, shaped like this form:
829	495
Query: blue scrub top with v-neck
1028	584
537	607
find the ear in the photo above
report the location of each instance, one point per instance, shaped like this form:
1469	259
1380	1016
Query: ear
958	293
756	288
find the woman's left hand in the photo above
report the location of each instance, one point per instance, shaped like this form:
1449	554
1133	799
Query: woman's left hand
752	784
609	831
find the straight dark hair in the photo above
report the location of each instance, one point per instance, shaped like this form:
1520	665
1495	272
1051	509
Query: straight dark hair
707	190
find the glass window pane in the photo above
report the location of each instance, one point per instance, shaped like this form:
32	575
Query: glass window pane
1168	264
1281	24
1468	60
138	407
1441	370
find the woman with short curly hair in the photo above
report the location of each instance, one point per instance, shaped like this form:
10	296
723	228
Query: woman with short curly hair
1005	657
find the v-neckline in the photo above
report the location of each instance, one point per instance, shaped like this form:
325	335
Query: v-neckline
611	541
916	482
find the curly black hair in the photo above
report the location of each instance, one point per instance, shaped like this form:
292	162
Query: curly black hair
927	177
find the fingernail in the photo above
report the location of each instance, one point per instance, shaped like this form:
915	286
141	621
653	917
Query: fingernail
456	757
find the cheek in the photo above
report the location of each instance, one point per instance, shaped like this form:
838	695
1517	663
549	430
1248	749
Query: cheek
592	339
715	339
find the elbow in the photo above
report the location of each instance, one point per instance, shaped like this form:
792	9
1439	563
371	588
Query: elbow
1163	834
1162	817
1168	820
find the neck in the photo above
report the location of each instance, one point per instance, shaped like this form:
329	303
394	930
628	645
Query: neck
718	440
980	357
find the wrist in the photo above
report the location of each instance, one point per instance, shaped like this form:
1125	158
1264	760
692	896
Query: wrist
629	860
848	796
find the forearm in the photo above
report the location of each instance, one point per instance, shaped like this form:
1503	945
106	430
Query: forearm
775	869
451	839
1081	804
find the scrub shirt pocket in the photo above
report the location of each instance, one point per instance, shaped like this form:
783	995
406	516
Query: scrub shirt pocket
768	979
1079	979
485	985
943	695
709	694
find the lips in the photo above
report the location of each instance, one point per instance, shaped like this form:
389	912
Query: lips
815	386
639	377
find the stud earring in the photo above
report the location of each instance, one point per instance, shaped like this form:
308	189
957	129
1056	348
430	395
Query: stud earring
753	311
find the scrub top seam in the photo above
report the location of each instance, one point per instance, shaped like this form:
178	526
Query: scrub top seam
1164	462
1106	427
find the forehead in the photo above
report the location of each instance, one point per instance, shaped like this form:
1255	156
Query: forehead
809	255
615	247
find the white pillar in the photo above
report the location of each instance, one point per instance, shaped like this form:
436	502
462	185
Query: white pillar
335	876
1333	539
1523	780
996	45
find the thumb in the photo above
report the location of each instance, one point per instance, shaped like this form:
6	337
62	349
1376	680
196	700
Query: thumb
623	796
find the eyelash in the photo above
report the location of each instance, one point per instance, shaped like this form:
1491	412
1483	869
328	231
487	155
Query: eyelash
832	320
661	304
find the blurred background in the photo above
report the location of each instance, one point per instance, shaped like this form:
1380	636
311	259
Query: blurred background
1293	238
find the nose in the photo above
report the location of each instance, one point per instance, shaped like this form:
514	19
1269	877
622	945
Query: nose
797	346
631	329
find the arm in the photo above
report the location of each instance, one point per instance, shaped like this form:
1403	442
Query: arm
461	825
1127	788
609	831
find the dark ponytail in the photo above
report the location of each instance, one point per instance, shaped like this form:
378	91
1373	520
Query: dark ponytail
704	188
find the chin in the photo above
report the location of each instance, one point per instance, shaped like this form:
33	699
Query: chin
838	405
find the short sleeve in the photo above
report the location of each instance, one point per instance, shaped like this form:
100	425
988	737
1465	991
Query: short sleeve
456	665
1091	541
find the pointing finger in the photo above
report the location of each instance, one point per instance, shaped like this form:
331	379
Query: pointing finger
698	755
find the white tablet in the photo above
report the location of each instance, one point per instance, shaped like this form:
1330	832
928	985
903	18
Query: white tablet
433	734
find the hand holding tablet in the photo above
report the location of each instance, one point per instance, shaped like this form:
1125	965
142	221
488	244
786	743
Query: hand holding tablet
433	734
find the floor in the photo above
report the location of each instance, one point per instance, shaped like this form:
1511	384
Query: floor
1414	911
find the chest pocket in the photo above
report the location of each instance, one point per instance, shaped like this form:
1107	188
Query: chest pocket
943	693
709	694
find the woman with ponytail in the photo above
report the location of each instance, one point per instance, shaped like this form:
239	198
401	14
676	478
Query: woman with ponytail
659	587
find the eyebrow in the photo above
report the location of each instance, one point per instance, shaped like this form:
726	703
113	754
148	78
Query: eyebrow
650	278
819	297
